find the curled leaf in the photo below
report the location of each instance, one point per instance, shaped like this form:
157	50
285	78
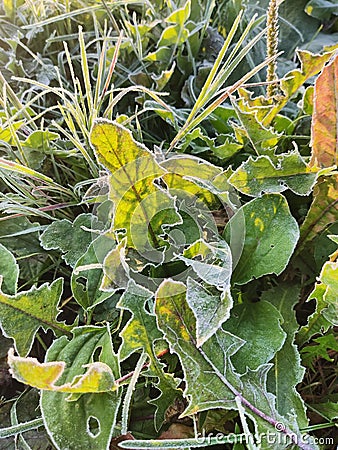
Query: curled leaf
97	378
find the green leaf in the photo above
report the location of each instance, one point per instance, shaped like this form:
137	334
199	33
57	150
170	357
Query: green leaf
307	100
195	176
226	150
311	64
163	78
180	16
6	133
115	269
21	315
173	35
334	238
322	9
329	410
262	236
192	168
222	116
162	54
88	421
36	146
317	323
140	335
319	349
9	7
140	332
259	325
297	27
324	246
210	366
215	267
9	271
162	111
325	315
73	239
140	29
329	278
132	189
39	139
261	138
20	236
178	323
288	371
258	175
87	275
210	310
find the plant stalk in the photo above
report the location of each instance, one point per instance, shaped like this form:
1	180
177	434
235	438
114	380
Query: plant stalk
272	48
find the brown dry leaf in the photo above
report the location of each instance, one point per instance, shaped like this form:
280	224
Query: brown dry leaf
178	431
324	131
323	210
124	437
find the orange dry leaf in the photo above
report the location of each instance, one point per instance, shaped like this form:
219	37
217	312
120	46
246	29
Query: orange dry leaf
324	131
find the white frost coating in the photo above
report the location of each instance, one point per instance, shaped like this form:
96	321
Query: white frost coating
95	370
91	434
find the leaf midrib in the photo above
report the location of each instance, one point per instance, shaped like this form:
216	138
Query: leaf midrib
56	325
122	166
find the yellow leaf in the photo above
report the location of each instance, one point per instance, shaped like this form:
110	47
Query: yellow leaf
97	378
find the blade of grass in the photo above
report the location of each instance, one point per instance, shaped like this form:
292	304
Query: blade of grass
23	170
219	73
20	428
12	97
78	12
43	208
100	72
80	147
86	77
111	17
232	62
215	67
11	128
124	91
189	126
70	108
111	68
199	442
70	65
128	397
